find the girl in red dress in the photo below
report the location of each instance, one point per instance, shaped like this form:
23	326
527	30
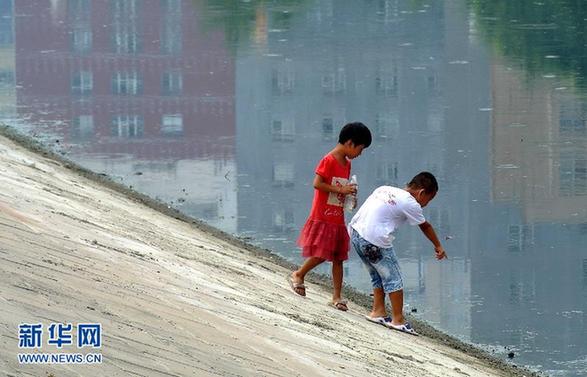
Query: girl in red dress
324	236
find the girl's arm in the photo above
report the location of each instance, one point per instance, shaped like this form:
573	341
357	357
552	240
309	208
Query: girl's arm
319	184
429	232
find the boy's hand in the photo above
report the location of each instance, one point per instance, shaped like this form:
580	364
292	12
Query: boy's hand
440	253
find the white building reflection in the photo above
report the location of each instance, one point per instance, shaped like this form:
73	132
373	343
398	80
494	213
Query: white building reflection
313	74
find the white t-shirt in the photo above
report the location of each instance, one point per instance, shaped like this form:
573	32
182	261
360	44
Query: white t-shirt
383	211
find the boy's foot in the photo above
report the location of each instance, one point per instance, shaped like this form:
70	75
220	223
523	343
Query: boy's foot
385	321
296	285
340	304
404	327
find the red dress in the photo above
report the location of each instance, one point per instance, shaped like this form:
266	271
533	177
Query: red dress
324	234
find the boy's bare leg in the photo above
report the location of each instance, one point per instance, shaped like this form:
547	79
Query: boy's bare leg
299	275
397	306
378	303
337	273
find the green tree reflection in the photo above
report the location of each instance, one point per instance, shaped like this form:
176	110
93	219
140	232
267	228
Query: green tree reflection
242	20
544	36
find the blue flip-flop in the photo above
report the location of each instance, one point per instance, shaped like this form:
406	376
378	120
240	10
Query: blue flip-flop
404	327
384	321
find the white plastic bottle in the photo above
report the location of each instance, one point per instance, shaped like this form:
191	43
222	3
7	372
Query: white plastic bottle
350	201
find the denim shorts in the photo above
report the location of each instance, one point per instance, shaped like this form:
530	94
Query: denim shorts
381	263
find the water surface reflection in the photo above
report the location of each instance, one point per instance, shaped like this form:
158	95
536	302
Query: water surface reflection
222	109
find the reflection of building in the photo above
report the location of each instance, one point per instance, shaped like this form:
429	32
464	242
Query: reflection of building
7	63
122	72
539	142
137	78
315	74
294	97
532	251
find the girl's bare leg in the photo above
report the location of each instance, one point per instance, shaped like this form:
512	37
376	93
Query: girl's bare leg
337	274
299	275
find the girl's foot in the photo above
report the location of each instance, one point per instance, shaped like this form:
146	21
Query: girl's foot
297	284
340	304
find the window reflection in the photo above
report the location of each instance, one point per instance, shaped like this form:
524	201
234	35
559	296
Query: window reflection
386	126
127	83
573	118
125	20
81	40
386	82
283	174
387	173
327	129
283	129
83	127
283	220
283	81
127	126
172	83
172	124
387	11
171	35
573	174
334	82
520	237
79	12
82	83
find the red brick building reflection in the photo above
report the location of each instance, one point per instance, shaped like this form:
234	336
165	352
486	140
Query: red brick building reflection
124	76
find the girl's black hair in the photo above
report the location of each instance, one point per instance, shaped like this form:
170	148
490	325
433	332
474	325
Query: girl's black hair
426	181
357	132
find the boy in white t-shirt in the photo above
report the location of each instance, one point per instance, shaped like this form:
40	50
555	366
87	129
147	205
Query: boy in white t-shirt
371	230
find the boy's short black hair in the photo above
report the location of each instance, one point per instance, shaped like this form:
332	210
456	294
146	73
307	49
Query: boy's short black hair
426	181
357	132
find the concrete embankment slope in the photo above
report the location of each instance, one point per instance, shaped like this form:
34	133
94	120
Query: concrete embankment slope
172	299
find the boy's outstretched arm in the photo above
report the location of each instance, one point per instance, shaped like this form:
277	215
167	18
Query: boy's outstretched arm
429	232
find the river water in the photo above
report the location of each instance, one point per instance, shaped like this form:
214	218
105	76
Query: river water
223	108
